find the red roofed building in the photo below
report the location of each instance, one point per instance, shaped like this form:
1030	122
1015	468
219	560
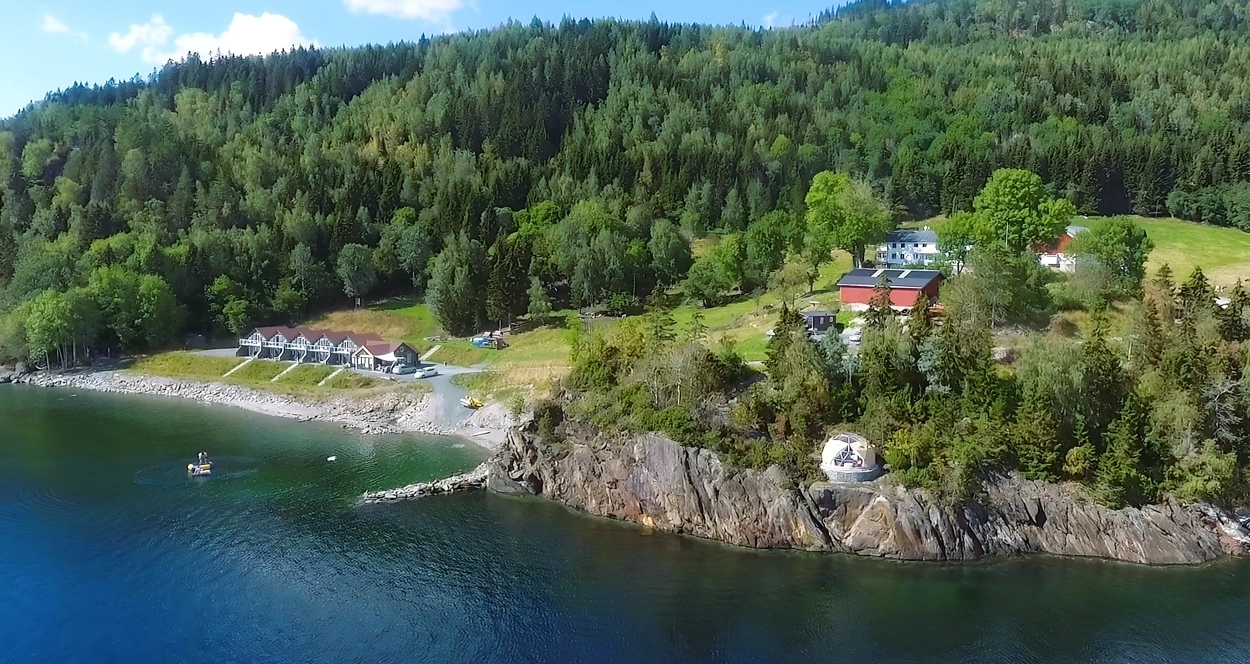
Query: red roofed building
1057	256
856	287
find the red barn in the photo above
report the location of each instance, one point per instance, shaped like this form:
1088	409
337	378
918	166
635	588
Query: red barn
1057	256
855	287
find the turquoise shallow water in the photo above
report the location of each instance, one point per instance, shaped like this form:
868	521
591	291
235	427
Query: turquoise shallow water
109	553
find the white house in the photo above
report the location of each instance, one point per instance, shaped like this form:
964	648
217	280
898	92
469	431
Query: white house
908	247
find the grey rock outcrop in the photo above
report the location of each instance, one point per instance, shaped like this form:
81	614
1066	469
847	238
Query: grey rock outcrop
474	479
650	480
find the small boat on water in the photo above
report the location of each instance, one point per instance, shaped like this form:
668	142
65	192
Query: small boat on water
470	402
202	466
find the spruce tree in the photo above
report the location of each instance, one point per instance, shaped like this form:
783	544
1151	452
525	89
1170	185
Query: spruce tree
789	326
1033	439
879	311
920	319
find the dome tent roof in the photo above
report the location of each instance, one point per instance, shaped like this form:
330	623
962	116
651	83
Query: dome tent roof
849	457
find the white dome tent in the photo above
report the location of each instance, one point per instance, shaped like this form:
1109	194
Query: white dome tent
849	457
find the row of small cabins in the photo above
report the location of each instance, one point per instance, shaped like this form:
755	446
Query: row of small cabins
301	344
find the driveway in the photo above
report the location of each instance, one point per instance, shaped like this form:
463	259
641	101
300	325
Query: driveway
446	394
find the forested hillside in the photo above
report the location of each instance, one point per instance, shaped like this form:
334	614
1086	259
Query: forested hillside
537	166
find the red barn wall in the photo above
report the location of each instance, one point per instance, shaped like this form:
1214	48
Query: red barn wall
855	294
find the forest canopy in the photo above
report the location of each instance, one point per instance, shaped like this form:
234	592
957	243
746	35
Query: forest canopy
540	165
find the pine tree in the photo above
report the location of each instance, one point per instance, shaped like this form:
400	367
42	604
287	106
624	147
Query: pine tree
920	319
540	302
1120	479
789	326
1196	294
1232	317
1034	441
1153	339
879	311
660	325
698	330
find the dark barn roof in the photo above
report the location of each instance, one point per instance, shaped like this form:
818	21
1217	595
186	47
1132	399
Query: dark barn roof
909	235
905	279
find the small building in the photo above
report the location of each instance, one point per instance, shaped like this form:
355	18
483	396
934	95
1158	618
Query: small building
818	322
908	247
849	457
1057	256
856	287
382	355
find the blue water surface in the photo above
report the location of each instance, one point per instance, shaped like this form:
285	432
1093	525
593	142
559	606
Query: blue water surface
110	553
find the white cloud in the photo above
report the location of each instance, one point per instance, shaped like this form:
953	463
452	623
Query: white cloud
55	26
246	35
149	37
436	11
770	19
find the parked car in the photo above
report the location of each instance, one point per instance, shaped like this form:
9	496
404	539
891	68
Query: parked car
427	372
401	369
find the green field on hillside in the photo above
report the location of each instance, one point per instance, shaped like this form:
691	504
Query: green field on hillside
1223	253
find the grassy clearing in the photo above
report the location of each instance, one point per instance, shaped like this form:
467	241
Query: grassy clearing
1223	253
746	322
186	365
259	370
301	381
307	374
349	380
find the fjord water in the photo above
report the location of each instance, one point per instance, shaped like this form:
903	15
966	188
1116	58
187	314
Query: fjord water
110	553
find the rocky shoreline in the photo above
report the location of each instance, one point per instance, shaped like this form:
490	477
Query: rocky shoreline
399	411
652	481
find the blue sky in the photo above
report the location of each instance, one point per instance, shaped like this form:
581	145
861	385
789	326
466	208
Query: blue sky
51	44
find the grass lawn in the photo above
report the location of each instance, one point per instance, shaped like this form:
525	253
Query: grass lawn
186	365
349	380
307	374
1223	253
302	381
746	322
260	370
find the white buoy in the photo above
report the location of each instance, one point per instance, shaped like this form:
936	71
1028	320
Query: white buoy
332	458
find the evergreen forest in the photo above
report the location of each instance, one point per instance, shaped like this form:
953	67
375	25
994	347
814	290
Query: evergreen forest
571	165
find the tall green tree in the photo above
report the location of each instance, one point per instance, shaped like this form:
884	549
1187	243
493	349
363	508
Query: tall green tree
355	270
1017	208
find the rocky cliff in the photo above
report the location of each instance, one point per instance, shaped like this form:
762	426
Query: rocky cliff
650	480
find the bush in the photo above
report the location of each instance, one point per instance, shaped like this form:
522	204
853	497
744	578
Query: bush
1208	476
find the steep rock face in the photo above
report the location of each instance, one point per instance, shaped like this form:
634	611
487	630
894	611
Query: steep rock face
653	481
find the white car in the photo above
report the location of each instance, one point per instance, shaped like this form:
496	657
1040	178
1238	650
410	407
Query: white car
427	372
855	336
400	369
